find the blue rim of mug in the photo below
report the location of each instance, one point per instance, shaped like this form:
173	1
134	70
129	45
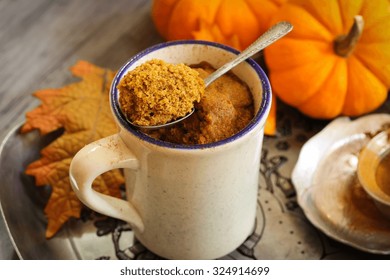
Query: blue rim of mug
114	96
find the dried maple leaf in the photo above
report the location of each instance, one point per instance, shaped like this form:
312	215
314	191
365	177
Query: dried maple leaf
82	110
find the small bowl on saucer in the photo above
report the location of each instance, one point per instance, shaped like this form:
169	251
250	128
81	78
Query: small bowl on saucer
374	170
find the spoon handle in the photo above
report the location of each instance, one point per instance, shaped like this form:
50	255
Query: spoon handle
271	35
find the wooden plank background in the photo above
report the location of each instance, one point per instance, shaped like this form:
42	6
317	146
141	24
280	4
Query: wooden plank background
41	39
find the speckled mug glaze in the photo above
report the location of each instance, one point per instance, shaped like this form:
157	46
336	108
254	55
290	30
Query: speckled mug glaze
183	202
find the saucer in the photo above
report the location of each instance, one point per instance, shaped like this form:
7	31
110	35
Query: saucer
328	190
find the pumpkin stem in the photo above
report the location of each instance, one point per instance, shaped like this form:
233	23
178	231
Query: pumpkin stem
345	44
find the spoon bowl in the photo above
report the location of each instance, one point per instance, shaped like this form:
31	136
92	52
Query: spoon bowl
171	123
273	34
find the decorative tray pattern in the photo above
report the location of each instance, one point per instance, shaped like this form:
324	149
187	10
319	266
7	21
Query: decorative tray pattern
282	229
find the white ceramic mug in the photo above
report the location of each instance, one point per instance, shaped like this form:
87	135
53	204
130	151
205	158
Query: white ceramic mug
183	202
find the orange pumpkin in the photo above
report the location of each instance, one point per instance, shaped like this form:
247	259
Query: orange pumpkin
236	23
326	68
232	22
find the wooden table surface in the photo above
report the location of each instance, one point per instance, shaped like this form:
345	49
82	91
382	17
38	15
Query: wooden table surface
41	39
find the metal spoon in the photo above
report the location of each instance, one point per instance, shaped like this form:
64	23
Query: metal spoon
267	38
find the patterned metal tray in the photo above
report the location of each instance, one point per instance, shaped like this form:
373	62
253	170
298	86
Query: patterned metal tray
282	229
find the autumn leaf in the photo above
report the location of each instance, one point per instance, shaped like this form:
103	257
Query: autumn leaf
82	110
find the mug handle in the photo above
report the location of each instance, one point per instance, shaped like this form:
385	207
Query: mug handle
93	160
